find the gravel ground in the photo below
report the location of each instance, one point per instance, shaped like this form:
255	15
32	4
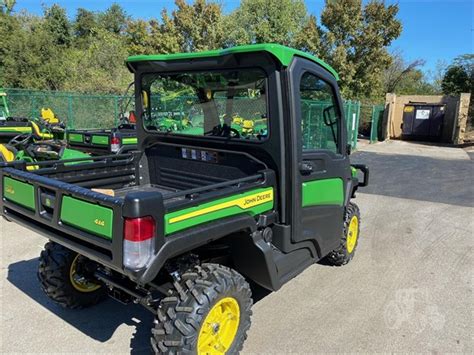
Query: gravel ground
408	289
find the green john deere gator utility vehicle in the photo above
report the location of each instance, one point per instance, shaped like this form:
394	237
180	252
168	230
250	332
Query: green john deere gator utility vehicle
118	140
181	224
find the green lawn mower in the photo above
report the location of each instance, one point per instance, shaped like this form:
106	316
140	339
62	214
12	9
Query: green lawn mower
38	145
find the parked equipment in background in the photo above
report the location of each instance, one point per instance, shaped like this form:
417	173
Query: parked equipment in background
423	121
117	140
104	141
47	126
182	224
31	148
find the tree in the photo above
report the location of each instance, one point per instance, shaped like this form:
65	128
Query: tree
6	6
198	26
98	67
165	37
401	74
33	58
456	80
84	23
459	76
355	42
275	21
138	37
57	23
114	19
308	38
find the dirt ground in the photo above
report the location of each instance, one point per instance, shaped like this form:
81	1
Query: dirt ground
408	289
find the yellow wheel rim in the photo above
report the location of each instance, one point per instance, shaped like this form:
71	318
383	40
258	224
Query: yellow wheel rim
220	327
352	234
78	281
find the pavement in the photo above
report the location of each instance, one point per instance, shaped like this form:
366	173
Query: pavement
408	289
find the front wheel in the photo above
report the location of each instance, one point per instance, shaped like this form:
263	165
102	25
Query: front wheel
66	277
208	312
350	237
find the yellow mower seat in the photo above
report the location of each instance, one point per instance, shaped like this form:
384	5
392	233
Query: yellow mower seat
48	115
6	155
38	134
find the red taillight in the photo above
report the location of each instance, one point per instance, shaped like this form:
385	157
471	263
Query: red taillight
114	144
139	229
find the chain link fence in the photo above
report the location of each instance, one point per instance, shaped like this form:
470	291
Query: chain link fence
76	111
85	111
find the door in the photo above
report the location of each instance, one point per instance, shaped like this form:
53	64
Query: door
421	122
436	121
321	167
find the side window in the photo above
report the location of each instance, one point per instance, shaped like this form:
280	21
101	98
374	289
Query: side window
319	114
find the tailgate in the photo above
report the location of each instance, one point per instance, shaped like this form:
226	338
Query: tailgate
76	217
92	140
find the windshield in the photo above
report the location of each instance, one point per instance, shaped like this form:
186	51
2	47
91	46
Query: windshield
228	104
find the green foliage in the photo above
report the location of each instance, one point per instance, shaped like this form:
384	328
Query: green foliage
87	53
84	23
114	19
57	24
355	43
199	26
459	76
99	67
265	21
406	78
32	58
6	6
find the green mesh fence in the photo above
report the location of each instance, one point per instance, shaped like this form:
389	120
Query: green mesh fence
83	111
77	111
376	123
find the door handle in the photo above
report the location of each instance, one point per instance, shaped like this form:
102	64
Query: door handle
306	168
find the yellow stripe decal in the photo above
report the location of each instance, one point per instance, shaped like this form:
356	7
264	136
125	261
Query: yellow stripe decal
15	129
243	202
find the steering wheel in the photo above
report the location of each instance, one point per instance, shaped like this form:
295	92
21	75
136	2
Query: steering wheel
21	139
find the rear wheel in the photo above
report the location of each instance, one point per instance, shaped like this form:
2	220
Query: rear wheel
66	277
207	312
350	238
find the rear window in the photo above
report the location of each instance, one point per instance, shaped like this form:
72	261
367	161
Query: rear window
230	104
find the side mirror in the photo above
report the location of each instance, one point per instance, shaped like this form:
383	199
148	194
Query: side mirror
330	115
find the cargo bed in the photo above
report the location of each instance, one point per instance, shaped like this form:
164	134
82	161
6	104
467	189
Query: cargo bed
63	202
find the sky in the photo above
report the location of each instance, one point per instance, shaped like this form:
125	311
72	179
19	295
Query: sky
434	30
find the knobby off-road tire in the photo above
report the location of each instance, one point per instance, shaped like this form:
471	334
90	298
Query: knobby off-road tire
345	252
183	317
54	273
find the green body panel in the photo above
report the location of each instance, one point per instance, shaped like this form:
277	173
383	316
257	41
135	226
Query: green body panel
87	216
283	54
127	141
252	202
22	155
19	192
323	192
100	140
75	137
74	154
